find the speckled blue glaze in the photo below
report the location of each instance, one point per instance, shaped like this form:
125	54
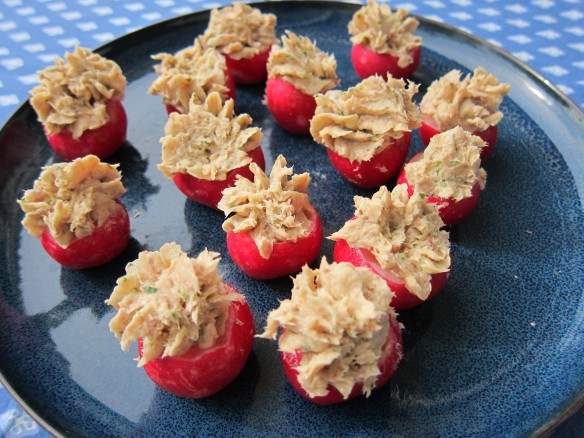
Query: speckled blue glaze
497	353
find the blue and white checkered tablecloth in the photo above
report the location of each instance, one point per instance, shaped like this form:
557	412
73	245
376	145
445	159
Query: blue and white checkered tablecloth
546	34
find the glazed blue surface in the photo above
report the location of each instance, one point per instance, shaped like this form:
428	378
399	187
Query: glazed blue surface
497	353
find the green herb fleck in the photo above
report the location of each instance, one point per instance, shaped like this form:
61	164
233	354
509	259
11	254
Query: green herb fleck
149	289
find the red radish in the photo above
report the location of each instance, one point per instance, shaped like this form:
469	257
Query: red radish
248	71
403	298
379	169
451	211
102	141
105	243
202	372
286	257
171	109
390	359
208	192
489	135
291	108
368	63
244	35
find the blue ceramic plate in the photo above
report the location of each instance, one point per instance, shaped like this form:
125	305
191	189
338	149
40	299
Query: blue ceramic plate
499	352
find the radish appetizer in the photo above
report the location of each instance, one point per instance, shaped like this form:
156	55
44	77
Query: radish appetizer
204	150
244	36
74	209
340	338
366	129
79	103
194	331
400	238
191	75
272	228
384	41
448	173
297	71
472	103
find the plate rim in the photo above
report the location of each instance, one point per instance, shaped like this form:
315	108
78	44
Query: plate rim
562	413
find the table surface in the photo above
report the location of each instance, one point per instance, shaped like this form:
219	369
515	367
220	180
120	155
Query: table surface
548	35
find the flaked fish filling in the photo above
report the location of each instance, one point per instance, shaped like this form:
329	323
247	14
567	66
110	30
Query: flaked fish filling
72	199
191	74
362	121
301	63
274	209
404	235
450	166
338	317
171	301
240	31
209	141
472	102
73	93
382	30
